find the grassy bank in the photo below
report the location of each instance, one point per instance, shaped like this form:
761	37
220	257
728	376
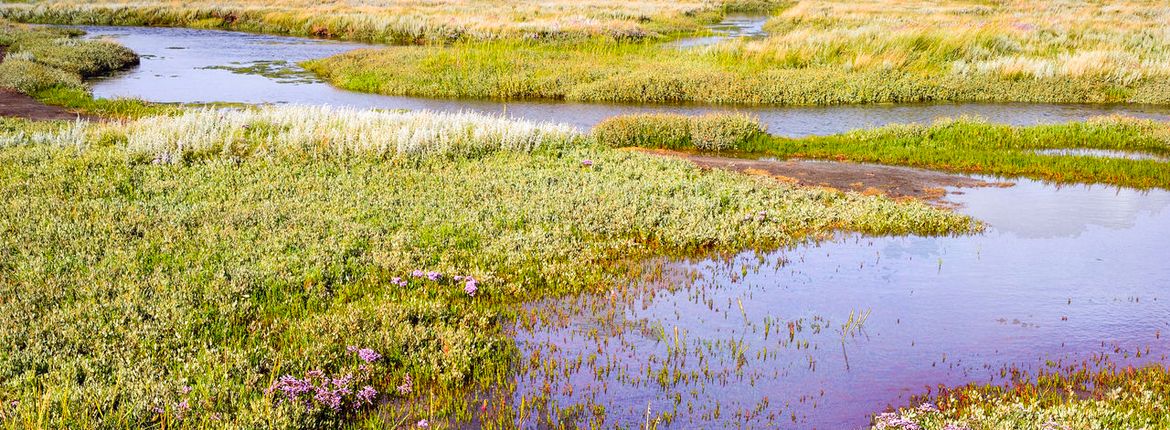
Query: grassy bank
51	65
964	145
818	52
1112	398
38	59
201	269
599	71
974	146
404	22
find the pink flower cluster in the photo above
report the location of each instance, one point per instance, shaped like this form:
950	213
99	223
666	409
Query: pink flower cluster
470	284
367	355
319	391
892	421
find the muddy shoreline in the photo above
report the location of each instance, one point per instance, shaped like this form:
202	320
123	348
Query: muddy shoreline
14	104
892	181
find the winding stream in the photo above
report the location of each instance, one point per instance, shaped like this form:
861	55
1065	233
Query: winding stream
184	65
1066	275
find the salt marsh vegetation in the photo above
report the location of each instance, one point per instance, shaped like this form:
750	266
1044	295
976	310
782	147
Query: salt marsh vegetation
310	267
38	59
817	52
405	22
207	289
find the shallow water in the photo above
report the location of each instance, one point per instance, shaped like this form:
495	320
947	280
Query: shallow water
732	27
1069	274
177	67
1102	153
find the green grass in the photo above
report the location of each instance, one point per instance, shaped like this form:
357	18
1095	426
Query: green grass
81	100
1111	398
51	65
39	59
599	71
973	146
713	132
123	280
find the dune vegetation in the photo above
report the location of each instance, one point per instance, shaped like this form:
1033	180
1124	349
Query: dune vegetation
817	52
214	266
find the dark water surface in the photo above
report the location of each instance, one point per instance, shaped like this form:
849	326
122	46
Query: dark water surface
1066	275
184	65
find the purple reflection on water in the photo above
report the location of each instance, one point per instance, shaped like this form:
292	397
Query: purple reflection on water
1065	275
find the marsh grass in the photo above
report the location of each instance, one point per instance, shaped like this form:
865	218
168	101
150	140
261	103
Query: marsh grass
969	145
1104	396
400	22
321	132
49	63
123	281
712	132
600	71
119	108
817	52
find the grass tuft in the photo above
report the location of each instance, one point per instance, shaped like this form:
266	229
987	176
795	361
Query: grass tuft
711	132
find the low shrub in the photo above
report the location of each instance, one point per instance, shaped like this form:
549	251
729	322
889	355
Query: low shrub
83	57
711	132
29	76
323	132
652	130
723	132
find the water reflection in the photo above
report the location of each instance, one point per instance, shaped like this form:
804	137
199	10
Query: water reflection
1103	153
732	26
183	65
1064	274
1035	210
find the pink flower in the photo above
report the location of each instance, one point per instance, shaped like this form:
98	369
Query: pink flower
407	386
423	424
367	394
471	287
368	355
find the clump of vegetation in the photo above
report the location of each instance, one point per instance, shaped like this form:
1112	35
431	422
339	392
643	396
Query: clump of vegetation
321	132
207	291
711	132
969	145
41	59
1114	398
30	77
